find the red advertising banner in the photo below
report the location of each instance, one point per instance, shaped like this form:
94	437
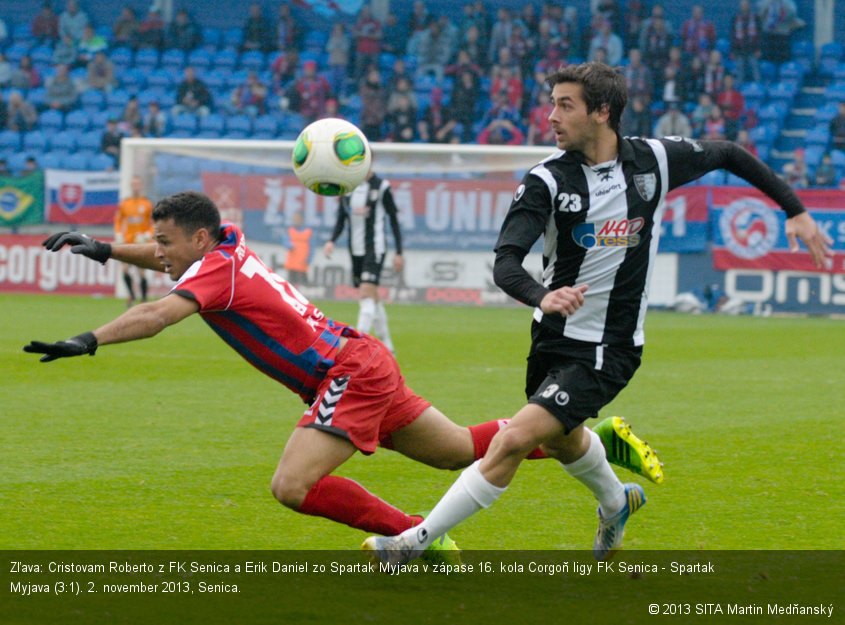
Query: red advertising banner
26	267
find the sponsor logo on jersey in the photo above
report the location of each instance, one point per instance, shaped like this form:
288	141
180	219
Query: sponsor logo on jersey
646	185
611	233
749	228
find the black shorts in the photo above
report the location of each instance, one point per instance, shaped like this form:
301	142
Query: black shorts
573	380
367	268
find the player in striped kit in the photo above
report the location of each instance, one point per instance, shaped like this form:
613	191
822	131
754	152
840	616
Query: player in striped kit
356	394
366	209
598	203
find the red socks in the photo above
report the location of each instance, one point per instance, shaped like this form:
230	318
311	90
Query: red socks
483	433
342	500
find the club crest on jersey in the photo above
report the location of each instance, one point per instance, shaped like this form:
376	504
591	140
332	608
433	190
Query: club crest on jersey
611	233
646	185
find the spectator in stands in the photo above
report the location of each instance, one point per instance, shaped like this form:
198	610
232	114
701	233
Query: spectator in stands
257	30
64	52
837	129
110	141
183	33
5	71
130	118
504	58
100	73
403	88
399	72
825	173
21	114
89	45
539	127
402	121
4	112
606	39
546	38
72	21
433	49
507	30
45	25
692	79
636	118
505	80
338	50
367	34
373	104
701	113
714	74
283	71
62	94
698	35
394	36
657	13
432	127
287	31
5	172
732	103
250	97
192	95
634	17
638	76
673	123
4	33
419	18
744	140
655	44
672	87
313	90
795	172
126	28
30	165
745	42
151	30
779	20
714	125
154	122
461	111
474	47
25	76
500	124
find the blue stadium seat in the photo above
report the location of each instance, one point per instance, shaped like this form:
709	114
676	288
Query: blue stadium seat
732	180
826	112
36	141
818	135
211	36
713	178
51	120
146	58
22	33
835	92
200	59
831	50
265	125
782	91
225	59
10	140
64	140
173	59
16	51
315	39
92	100
52	159
133	80
99	119
165	78
253	60
121	57
41	54
78	120
90	140
17	160
214	79
791	71
241	124
236	79
117	97
152	94
813	155
213	123
803	49
184	122
79	161
37	97
102	162
837	157
232	37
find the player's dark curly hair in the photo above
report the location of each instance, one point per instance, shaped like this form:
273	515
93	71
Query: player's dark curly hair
189	210
601	86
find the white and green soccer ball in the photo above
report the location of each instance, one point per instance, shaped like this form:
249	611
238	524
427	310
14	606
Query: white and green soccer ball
331	156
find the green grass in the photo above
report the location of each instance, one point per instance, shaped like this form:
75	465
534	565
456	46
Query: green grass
170	443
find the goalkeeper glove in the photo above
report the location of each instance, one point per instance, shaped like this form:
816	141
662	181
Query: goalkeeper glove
82	344
80	244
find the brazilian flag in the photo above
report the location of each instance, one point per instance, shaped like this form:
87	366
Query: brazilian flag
22	199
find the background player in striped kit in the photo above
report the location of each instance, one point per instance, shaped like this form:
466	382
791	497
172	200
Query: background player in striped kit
598	203
366	209
356	396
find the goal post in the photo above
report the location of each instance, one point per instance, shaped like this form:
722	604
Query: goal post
451	200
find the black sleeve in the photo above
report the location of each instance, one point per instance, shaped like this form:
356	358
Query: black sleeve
523	225
393	214
690	159
342	207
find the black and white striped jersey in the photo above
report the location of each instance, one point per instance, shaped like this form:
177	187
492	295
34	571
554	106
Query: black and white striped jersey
366	209
601	227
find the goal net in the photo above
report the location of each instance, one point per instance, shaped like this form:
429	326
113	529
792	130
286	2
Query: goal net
451	200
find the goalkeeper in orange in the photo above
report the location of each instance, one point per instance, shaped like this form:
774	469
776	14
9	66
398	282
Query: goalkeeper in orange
133	224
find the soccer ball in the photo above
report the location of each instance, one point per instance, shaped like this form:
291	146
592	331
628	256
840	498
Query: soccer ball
331	156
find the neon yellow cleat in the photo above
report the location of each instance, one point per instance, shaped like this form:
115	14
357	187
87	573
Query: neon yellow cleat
442	551
625	449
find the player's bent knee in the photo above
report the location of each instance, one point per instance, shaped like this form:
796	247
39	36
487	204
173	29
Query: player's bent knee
288	492
513	442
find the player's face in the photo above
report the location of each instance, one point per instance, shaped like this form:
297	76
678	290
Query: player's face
574	128
174	249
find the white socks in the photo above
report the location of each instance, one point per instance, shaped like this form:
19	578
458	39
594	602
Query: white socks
380	326
470	493
366	314
593	470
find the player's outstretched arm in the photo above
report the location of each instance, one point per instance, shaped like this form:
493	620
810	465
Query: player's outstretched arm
140	322
803	227
141	255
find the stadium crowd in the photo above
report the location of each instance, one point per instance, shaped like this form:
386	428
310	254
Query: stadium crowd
73	87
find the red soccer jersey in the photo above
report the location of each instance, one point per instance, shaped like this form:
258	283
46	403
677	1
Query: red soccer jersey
261	316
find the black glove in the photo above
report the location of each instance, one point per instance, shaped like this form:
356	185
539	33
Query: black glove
83	344
81	244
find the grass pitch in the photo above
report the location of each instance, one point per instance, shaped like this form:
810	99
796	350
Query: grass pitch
170	443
